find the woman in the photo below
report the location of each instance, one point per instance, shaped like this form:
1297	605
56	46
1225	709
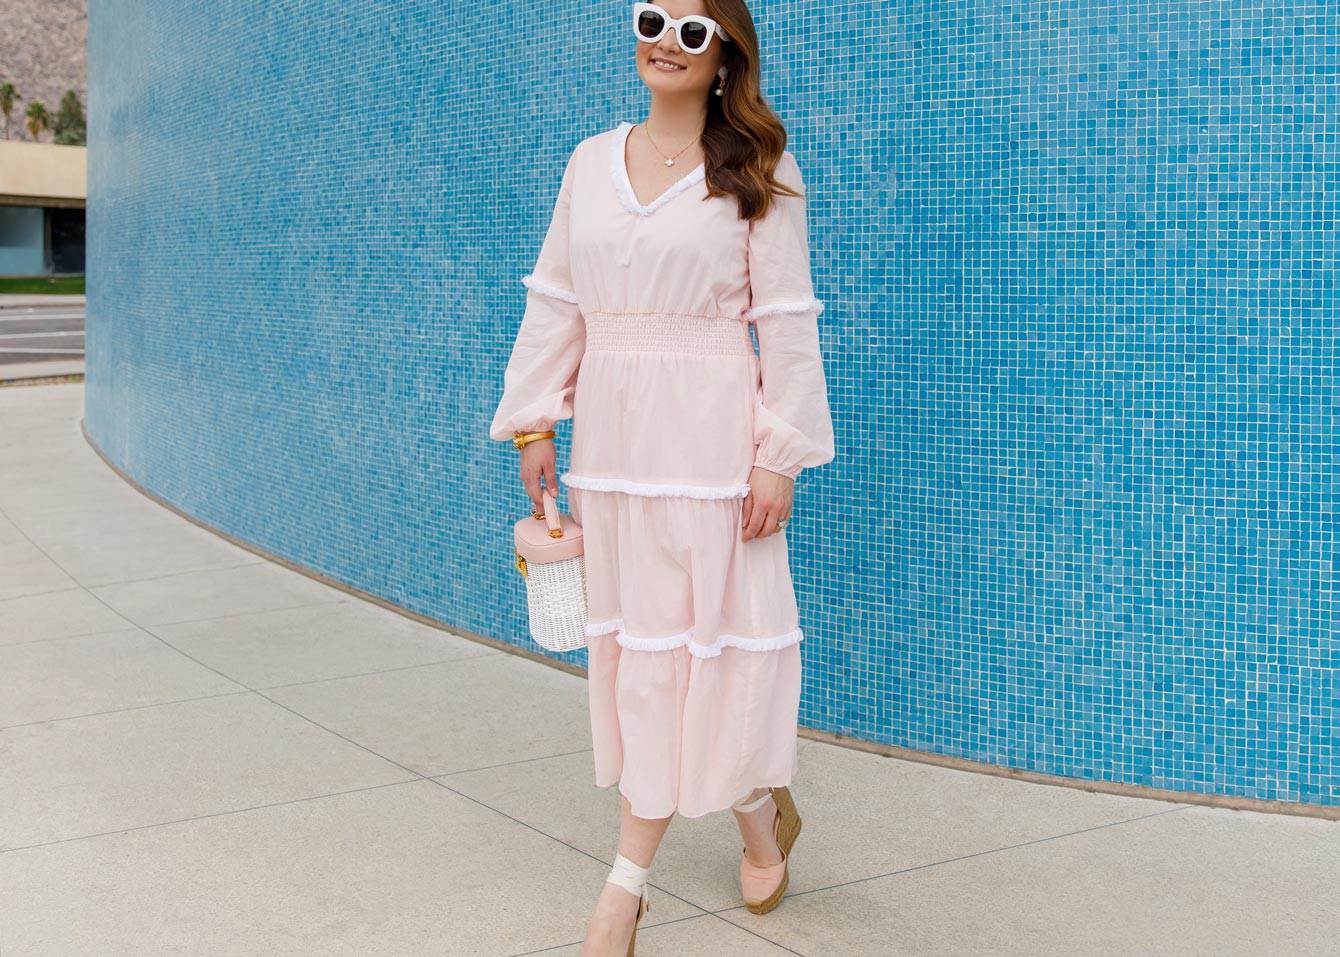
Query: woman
669	240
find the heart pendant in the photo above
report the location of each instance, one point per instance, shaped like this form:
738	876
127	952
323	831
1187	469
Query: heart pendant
669	162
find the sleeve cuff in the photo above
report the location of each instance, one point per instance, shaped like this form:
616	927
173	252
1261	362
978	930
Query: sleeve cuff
790	472
508	433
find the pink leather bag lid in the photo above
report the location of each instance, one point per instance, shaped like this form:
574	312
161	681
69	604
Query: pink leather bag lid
534	541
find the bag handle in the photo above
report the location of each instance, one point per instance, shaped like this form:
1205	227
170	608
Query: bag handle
551	514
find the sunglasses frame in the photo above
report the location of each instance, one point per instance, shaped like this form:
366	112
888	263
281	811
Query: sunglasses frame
670	23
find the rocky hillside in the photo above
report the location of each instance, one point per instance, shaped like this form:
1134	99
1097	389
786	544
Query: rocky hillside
43	47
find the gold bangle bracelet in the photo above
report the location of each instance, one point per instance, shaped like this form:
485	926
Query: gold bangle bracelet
521	439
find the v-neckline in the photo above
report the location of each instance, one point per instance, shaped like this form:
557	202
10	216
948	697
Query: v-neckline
624	183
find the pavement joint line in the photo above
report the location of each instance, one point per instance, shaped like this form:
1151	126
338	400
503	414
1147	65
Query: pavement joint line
750	930
205	817
643	928
133	624
135	581
131	581
380	671
195	621
85	634
416	779
149	629
204	570
153	578
40	594
133	707
994	850
511	764
556	840
37	594
139	629
245	689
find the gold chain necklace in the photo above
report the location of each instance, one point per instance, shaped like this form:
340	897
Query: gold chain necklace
669	160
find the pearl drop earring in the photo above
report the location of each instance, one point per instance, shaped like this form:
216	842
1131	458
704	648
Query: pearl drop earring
722	85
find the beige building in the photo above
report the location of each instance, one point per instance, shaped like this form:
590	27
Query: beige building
43	191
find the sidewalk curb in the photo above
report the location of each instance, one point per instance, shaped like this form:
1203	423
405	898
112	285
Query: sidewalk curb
36	300
23	371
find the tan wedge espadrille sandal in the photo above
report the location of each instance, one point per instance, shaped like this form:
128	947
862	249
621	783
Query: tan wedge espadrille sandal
763	887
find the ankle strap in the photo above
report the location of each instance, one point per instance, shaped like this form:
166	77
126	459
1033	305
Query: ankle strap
628	875
741	806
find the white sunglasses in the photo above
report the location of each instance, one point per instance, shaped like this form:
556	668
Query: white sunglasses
650	23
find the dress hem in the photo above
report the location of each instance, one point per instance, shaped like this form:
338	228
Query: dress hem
676	811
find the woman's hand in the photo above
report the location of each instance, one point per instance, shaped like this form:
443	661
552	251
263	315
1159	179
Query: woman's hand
538	458
768	501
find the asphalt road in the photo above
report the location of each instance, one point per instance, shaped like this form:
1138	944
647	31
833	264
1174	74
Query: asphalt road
39	333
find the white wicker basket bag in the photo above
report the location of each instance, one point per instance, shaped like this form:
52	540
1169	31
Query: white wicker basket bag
549	554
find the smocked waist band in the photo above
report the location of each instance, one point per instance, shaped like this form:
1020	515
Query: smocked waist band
667	332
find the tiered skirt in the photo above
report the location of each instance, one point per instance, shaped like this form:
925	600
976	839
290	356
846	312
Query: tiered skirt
694	661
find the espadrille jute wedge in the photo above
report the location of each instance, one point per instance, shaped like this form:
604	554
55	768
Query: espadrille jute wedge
763	887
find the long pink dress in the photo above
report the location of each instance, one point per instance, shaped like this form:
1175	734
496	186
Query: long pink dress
636	327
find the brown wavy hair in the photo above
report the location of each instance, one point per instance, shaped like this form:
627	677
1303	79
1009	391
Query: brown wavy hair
743	139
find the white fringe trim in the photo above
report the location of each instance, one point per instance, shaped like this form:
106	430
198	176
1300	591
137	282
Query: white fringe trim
624	187
600	484
783	308
776	642
549	289
636	643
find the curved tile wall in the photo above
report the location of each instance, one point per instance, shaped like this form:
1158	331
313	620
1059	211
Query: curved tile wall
1080	269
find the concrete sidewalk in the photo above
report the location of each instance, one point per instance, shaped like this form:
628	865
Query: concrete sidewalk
205	752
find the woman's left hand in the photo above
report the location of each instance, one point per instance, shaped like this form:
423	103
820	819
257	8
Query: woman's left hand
768	501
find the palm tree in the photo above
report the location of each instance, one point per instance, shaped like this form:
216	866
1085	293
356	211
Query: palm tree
38	119
7	97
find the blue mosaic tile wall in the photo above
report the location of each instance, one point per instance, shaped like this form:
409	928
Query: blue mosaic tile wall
1079	260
